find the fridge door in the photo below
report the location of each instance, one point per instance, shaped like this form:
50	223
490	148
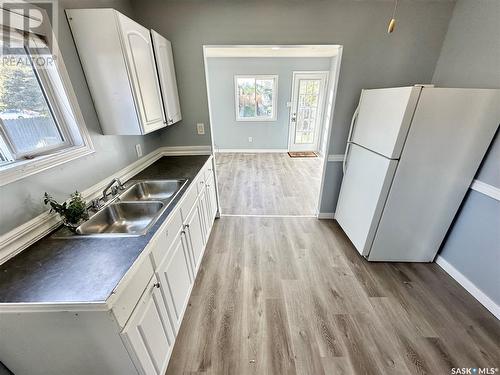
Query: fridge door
384	119
362	196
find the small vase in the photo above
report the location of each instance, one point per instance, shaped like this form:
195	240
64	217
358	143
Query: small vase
72	226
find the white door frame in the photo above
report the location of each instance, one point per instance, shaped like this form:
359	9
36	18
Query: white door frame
323	75
327	113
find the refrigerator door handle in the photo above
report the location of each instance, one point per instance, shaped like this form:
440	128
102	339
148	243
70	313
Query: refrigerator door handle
344	162
353	122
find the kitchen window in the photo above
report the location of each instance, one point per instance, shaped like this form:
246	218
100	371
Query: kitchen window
255	97
41	125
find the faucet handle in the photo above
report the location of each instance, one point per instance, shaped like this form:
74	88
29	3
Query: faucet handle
95	204
120	185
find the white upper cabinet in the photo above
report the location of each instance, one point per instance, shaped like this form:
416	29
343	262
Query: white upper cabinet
168	83
122	73
142	72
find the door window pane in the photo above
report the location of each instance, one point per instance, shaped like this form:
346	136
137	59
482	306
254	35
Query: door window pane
307	108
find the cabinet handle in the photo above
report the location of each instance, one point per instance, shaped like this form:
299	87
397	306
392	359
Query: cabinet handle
183	232
156	285
186	226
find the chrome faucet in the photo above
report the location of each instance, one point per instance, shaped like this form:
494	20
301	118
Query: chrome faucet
114	189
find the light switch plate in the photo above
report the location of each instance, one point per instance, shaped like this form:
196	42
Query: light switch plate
250	139
200	127
138	150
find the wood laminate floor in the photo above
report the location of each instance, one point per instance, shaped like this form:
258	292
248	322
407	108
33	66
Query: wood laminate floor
292	296
268	184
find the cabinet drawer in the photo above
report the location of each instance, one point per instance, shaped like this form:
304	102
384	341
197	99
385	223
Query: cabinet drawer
165	238
129	294
190	200
201	183
209	171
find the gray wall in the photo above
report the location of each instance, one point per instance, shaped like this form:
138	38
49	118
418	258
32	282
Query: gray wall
232	134
471	58
20	201
371	58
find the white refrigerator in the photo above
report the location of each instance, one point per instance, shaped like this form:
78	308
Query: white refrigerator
411	155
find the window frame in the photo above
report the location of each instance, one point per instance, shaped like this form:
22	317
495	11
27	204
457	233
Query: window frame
256	77
61	99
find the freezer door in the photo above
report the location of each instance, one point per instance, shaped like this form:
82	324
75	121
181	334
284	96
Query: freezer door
384	119
362	196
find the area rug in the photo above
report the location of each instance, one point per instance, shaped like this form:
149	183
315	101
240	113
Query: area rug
302	154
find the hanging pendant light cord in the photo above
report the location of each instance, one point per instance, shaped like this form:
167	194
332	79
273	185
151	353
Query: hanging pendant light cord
395	6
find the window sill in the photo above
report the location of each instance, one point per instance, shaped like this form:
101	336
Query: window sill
255	119
22	169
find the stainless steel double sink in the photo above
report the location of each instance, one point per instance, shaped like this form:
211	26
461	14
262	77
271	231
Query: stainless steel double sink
134	211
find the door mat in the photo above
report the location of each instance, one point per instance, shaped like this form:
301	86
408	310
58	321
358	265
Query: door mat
302	154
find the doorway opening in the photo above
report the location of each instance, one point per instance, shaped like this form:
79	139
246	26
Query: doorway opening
271	111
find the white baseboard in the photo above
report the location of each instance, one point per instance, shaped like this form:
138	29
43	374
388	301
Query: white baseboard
469	286
20	238
326	215
487	189
251	150
336	158
186	150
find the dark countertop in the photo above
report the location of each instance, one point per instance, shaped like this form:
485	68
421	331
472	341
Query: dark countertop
86	269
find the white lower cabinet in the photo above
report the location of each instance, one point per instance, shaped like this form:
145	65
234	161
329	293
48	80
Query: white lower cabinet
176	279
176	257
195	230
148	332
211	197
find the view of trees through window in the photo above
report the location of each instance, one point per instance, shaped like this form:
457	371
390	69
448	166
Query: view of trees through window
255	97
26	120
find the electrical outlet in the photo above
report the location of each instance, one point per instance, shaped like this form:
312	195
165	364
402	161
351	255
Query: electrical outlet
250	139
138	150
200	127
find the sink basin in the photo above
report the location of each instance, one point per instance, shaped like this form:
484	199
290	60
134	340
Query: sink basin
160	190
123	218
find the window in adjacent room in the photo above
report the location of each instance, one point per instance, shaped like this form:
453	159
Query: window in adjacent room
255	97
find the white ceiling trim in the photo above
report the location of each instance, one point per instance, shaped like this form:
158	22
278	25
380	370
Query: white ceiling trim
271	50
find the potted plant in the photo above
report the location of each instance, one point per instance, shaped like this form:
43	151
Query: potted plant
72	212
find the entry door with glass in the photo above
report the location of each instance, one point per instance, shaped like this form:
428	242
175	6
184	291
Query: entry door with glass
306	116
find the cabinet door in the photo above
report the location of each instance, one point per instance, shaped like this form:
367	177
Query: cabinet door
204	204
211	198
143	74
176	278
195	231
166	72
148	332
